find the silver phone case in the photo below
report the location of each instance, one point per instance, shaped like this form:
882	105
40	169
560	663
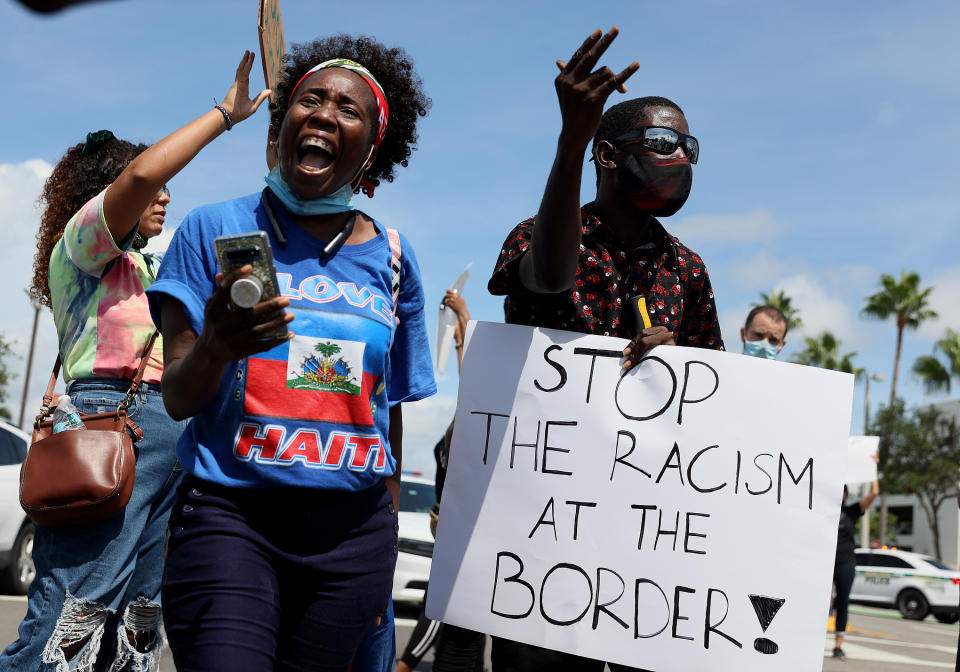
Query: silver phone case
264	268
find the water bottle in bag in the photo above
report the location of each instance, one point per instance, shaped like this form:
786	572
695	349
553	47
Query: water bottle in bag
66	417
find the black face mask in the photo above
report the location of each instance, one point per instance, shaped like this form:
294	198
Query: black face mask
656	186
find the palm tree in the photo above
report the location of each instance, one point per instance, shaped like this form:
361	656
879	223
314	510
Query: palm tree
907	303
782	302
327	350
934	374
824	352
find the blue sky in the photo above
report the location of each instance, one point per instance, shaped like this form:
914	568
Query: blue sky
828	135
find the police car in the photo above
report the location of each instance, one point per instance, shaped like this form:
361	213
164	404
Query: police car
915	584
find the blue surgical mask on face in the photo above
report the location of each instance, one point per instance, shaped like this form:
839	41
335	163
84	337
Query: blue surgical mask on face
761	349
339	201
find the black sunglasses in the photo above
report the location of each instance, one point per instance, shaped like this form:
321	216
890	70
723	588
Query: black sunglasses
662	140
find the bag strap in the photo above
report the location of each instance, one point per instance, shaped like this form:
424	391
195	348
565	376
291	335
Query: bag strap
48	395
135	383
396	254
144	360
124	404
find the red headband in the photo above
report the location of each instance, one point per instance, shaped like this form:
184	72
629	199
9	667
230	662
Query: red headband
383	109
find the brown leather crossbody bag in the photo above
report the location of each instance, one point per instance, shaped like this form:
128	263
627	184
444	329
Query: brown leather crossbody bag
86	476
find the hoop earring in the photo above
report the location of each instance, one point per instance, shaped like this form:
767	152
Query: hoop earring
358	177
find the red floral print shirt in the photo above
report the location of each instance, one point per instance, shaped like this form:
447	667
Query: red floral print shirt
671	277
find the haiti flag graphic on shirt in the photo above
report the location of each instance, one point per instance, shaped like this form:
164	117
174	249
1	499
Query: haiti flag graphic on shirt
319	375
325	365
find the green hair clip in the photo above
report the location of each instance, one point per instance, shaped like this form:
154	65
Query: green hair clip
96	140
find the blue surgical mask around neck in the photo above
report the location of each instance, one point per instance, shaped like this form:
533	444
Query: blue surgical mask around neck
761	349
339	201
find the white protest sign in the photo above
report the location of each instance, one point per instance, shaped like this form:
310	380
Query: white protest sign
861	467
680	517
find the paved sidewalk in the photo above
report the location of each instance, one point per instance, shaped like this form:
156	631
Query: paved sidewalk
879	640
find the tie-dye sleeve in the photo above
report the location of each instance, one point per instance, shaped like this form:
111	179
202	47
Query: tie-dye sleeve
87	240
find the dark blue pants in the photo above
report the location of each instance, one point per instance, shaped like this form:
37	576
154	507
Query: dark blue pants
275	579
378	648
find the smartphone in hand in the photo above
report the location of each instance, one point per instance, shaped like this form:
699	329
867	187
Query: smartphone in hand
238	250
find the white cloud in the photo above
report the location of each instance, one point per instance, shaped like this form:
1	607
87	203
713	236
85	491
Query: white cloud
744	227
943	299
160	242
731	320
759	271
821	310
854	278
424	422
20	186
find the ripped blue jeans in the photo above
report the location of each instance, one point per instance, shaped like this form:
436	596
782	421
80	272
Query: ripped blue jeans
94	605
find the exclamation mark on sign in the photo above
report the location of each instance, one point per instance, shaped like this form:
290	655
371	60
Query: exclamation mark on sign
766	608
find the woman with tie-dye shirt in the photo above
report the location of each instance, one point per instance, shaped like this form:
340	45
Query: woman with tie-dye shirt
94	603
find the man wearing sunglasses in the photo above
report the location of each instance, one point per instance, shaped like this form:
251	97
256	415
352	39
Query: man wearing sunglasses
609	267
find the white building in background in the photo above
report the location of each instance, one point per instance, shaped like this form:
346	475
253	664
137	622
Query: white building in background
913	532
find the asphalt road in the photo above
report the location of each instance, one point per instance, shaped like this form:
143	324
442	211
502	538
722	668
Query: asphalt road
880	640
877	641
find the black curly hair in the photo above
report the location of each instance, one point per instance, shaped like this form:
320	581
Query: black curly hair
77	178
393	69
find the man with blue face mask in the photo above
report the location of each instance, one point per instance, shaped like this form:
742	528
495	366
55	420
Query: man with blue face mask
764	333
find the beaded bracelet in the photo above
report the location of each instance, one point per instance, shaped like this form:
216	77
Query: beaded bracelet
226	115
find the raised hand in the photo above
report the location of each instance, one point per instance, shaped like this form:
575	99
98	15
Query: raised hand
237	102
582	91
456	303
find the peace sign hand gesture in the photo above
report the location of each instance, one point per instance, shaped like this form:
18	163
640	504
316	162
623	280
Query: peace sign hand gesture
237	102
582	91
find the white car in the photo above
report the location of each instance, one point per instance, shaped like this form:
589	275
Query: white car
16	530
915	584
417	495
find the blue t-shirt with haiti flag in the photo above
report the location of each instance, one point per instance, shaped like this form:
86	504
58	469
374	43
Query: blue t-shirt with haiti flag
313	412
